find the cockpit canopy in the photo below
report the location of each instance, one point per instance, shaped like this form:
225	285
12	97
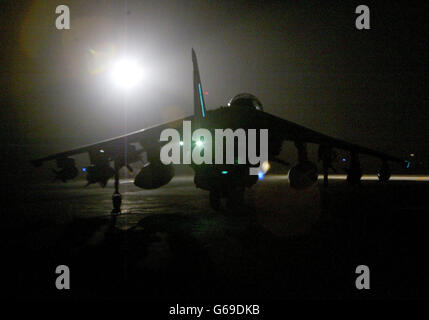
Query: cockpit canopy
246	100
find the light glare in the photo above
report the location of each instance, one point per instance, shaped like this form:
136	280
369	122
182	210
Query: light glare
126	73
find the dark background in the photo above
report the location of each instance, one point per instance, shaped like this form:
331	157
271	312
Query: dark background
305	61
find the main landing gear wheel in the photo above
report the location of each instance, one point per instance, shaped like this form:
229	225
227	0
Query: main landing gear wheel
215	199
235	197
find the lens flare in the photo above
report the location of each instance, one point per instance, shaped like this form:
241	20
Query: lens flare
265	166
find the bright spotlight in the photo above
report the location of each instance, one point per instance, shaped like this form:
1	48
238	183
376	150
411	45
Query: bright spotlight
199	143
126	73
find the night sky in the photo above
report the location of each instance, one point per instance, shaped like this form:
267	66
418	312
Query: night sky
306	62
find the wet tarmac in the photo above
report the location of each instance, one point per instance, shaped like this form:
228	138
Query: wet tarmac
169	244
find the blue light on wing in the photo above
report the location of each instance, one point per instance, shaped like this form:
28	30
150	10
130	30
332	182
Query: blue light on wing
201	99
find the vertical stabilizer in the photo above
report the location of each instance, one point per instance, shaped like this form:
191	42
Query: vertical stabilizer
199	103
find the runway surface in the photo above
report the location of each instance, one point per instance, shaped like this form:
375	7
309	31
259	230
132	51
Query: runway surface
169	244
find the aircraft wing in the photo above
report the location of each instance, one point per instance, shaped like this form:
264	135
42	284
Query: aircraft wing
284	129
147	137
288	130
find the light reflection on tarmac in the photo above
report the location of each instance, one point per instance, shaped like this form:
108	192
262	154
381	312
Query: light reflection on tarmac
365	177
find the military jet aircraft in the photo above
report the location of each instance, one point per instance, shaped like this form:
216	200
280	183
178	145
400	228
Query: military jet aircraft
221	180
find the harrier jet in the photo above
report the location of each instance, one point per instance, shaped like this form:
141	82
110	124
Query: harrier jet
221	180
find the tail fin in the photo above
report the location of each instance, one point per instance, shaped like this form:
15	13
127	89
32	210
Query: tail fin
199	104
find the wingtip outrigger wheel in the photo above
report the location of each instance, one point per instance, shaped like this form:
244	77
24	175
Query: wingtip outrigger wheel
116	201
116	197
